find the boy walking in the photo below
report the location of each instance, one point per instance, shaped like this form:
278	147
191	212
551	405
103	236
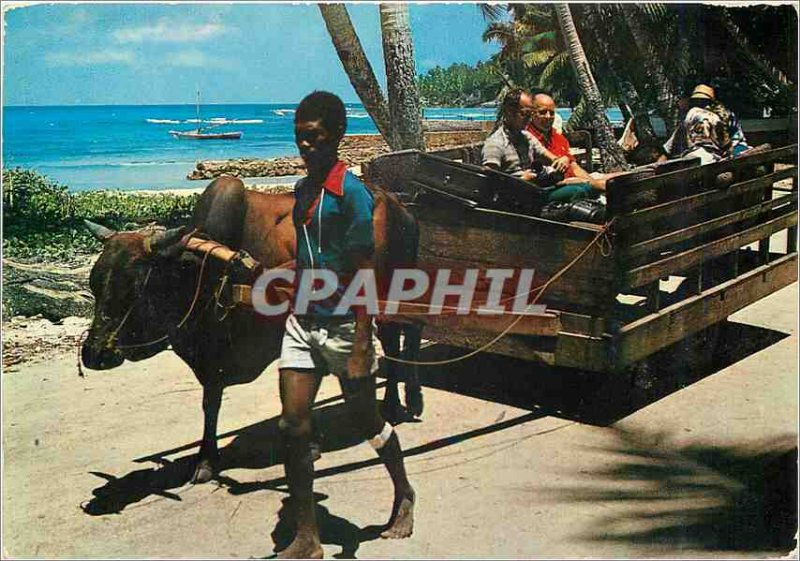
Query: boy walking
333	216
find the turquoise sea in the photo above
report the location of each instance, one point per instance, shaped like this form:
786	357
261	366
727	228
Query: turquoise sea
129	146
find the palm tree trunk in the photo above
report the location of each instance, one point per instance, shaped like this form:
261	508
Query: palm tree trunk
610	152
401	76
630	95
358	69
666	93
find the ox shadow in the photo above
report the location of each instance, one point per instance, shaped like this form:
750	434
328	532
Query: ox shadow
255	447
664	497
542	391
587	397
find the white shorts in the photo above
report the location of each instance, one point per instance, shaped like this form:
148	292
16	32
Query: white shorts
323	345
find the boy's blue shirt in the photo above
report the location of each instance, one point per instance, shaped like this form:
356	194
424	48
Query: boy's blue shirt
333	224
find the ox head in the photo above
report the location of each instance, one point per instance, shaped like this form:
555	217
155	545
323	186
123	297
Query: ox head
121	282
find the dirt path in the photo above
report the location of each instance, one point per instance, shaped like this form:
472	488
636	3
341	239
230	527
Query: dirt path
506	462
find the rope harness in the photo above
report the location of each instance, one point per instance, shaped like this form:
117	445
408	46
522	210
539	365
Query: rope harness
111	339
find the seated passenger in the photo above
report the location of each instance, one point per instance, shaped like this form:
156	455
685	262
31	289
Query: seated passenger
542	127
706	129
510	148
514	150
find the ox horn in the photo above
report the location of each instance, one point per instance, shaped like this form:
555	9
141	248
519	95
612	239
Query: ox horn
161	240
100	232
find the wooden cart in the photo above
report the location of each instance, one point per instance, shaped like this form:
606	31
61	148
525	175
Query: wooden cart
685	247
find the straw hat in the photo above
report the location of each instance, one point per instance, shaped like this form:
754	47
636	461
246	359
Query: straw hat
701	91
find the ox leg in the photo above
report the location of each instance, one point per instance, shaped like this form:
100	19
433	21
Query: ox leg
413	390
209	454
389	334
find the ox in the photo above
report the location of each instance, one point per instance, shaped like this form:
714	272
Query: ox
148	295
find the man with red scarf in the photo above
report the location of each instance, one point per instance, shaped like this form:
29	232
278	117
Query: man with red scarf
541	127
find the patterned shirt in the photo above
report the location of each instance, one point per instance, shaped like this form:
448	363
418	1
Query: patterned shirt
713	128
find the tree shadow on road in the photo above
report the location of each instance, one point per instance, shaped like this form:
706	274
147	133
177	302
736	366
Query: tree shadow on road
696	497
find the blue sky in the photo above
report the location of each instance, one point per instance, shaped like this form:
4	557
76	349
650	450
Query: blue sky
77	54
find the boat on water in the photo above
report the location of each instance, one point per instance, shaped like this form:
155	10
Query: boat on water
199	134
202	133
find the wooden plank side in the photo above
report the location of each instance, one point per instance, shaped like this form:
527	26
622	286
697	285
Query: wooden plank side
643	337
586	353
491	325
685	206
690	258
473	239
622	197
538	349
684	234
447	196
567	350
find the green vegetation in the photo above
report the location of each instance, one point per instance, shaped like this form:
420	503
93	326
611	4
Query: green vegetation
645	57
460	85
42	221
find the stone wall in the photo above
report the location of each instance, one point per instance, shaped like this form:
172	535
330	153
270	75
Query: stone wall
355	150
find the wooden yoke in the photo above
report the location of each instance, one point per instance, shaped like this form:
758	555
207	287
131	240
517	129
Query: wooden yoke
220	251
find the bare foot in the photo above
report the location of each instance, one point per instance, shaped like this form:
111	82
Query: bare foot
302	548
401	525
204	472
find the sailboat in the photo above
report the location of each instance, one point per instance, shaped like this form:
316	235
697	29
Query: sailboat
198	133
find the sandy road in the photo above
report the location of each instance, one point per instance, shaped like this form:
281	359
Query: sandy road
507	461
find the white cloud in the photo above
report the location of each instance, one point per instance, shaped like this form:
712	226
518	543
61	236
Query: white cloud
191	58
165	31
89	58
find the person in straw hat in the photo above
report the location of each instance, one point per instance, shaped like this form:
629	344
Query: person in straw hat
706	129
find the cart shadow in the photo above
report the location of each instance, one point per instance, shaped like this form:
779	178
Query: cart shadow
586	397
669	497
543	391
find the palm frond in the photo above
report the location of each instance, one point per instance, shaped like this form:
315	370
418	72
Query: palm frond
544	36
537	58
578	117
499	32
493	12
653	10
557	64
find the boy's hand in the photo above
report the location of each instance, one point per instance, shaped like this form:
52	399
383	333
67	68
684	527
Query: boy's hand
360	361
